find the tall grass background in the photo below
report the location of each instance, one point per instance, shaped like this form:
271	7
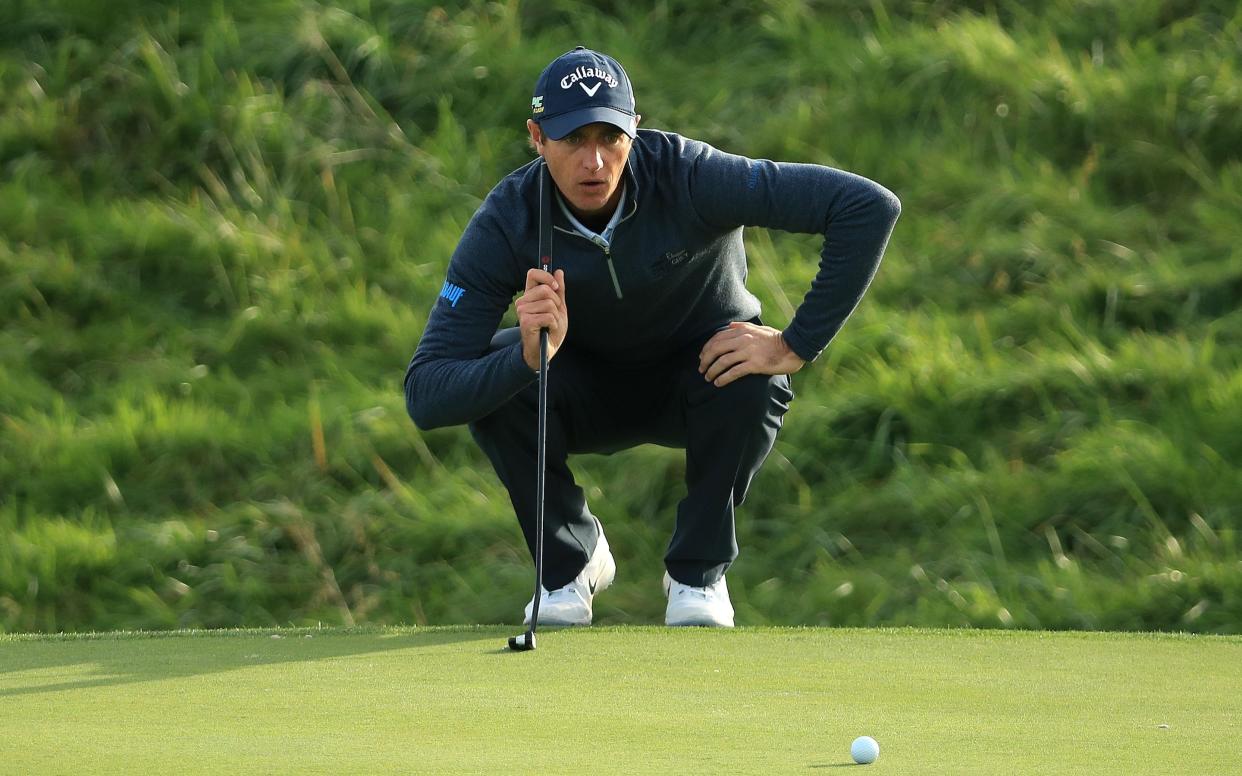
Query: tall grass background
222	226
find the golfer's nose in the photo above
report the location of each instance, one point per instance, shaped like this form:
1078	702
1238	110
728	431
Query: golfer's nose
593	160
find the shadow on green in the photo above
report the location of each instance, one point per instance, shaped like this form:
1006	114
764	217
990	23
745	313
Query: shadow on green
115	661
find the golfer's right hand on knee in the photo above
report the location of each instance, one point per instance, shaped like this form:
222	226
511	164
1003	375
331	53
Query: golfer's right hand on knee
542	306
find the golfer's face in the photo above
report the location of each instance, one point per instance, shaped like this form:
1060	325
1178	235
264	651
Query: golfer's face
586	165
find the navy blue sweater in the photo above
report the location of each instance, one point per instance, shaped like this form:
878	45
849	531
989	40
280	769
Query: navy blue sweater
676	269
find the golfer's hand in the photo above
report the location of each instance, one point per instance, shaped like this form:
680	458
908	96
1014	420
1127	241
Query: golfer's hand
746	349
542	306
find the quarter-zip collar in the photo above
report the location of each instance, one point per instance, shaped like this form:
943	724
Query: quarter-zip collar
630	191
601	241
625	209
585	231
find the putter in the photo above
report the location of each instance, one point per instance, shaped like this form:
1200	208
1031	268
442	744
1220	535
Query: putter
526	641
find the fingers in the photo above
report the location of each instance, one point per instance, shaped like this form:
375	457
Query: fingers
536	277
722	352
545	313
728	368
540	298
544	292
542	306
721	342
534	321
743	349
729	375
542	285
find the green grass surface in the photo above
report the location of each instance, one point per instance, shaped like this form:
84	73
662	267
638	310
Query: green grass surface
222	225
620	700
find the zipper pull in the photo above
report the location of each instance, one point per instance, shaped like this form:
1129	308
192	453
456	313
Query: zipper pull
616	286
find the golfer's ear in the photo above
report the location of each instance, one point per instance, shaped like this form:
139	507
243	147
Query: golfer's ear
536	136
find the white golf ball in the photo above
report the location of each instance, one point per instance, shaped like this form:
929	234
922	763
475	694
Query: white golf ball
864	750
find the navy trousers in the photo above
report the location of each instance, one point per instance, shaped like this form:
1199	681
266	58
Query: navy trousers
600	407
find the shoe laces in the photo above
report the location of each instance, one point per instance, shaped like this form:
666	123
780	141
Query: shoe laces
701	593
562	592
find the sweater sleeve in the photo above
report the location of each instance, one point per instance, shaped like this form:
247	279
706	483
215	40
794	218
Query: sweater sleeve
855	216
454	376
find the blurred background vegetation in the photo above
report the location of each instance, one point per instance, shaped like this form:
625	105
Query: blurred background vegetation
222	225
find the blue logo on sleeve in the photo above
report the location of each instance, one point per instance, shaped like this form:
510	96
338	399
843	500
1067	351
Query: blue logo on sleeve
451	292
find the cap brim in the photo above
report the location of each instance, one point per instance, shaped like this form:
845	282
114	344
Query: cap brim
557	127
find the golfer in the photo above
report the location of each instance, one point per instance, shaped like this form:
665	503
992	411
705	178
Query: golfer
653	335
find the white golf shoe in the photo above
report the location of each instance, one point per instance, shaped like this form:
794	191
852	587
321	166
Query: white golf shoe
571	604
688	605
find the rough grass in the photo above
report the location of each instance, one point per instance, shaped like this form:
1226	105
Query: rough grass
222	226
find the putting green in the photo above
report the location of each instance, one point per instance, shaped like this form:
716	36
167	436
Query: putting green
620	700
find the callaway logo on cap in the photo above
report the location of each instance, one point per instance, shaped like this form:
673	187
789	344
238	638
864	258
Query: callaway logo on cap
581	87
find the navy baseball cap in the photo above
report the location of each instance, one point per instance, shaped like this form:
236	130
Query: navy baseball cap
581	87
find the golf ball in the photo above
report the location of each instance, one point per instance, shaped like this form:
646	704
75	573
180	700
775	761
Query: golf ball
864	750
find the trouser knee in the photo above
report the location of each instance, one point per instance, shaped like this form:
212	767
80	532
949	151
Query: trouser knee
514	414
507	437
755	398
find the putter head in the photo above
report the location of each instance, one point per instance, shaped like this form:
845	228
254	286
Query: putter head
522	643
